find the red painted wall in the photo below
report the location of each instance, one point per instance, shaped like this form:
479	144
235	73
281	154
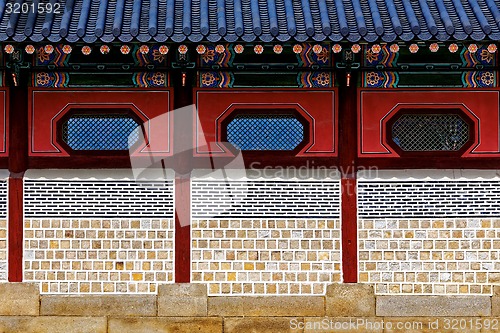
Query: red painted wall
317	106
47	106
4	121
376	106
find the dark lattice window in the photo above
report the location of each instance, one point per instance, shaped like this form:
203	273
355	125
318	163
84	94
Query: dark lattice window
265	132
100	132
430	132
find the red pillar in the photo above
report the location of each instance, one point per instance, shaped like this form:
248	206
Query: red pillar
182	229
18	163
348	166
349	230
15	228
182	81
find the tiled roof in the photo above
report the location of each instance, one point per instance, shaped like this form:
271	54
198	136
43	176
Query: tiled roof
249	20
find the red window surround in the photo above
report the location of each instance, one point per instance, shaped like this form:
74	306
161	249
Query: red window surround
317	109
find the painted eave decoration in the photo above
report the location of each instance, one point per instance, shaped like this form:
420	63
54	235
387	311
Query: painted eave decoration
90	21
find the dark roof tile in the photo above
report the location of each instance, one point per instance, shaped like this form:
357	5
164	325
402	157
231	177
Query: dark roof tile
255	20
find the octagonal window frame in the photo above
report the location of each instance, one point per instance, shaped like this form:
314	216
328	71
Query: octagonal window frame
83	111
431	111
271	112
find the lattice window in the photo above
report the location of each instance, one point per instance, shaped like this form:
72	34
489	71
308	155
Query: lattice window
430	132
100	132
265	132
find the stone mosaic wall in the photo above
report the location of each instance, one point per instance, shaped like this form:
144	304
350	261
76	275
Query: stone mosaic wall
3	226
97	231
266	256
270	198
419	232
435	256
273	235
123	198
278	234
429	198
3	250
429	232
99	255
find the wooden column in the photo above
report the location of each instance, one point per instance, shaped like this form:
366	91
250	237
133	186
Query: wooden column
182	81
18	163
182	229
348	166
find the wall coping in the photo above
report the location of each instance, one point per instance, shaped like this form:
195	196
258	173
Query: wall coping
428	174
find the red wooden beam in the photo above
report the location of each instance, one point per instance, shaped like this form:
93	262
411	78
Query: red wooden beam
18	162
182	162
349	230
15	225
348	167
182	229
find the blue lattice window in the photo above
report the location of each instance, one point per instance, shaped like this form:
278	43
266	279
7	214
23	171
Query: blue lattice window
430	132
265	132
100	132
